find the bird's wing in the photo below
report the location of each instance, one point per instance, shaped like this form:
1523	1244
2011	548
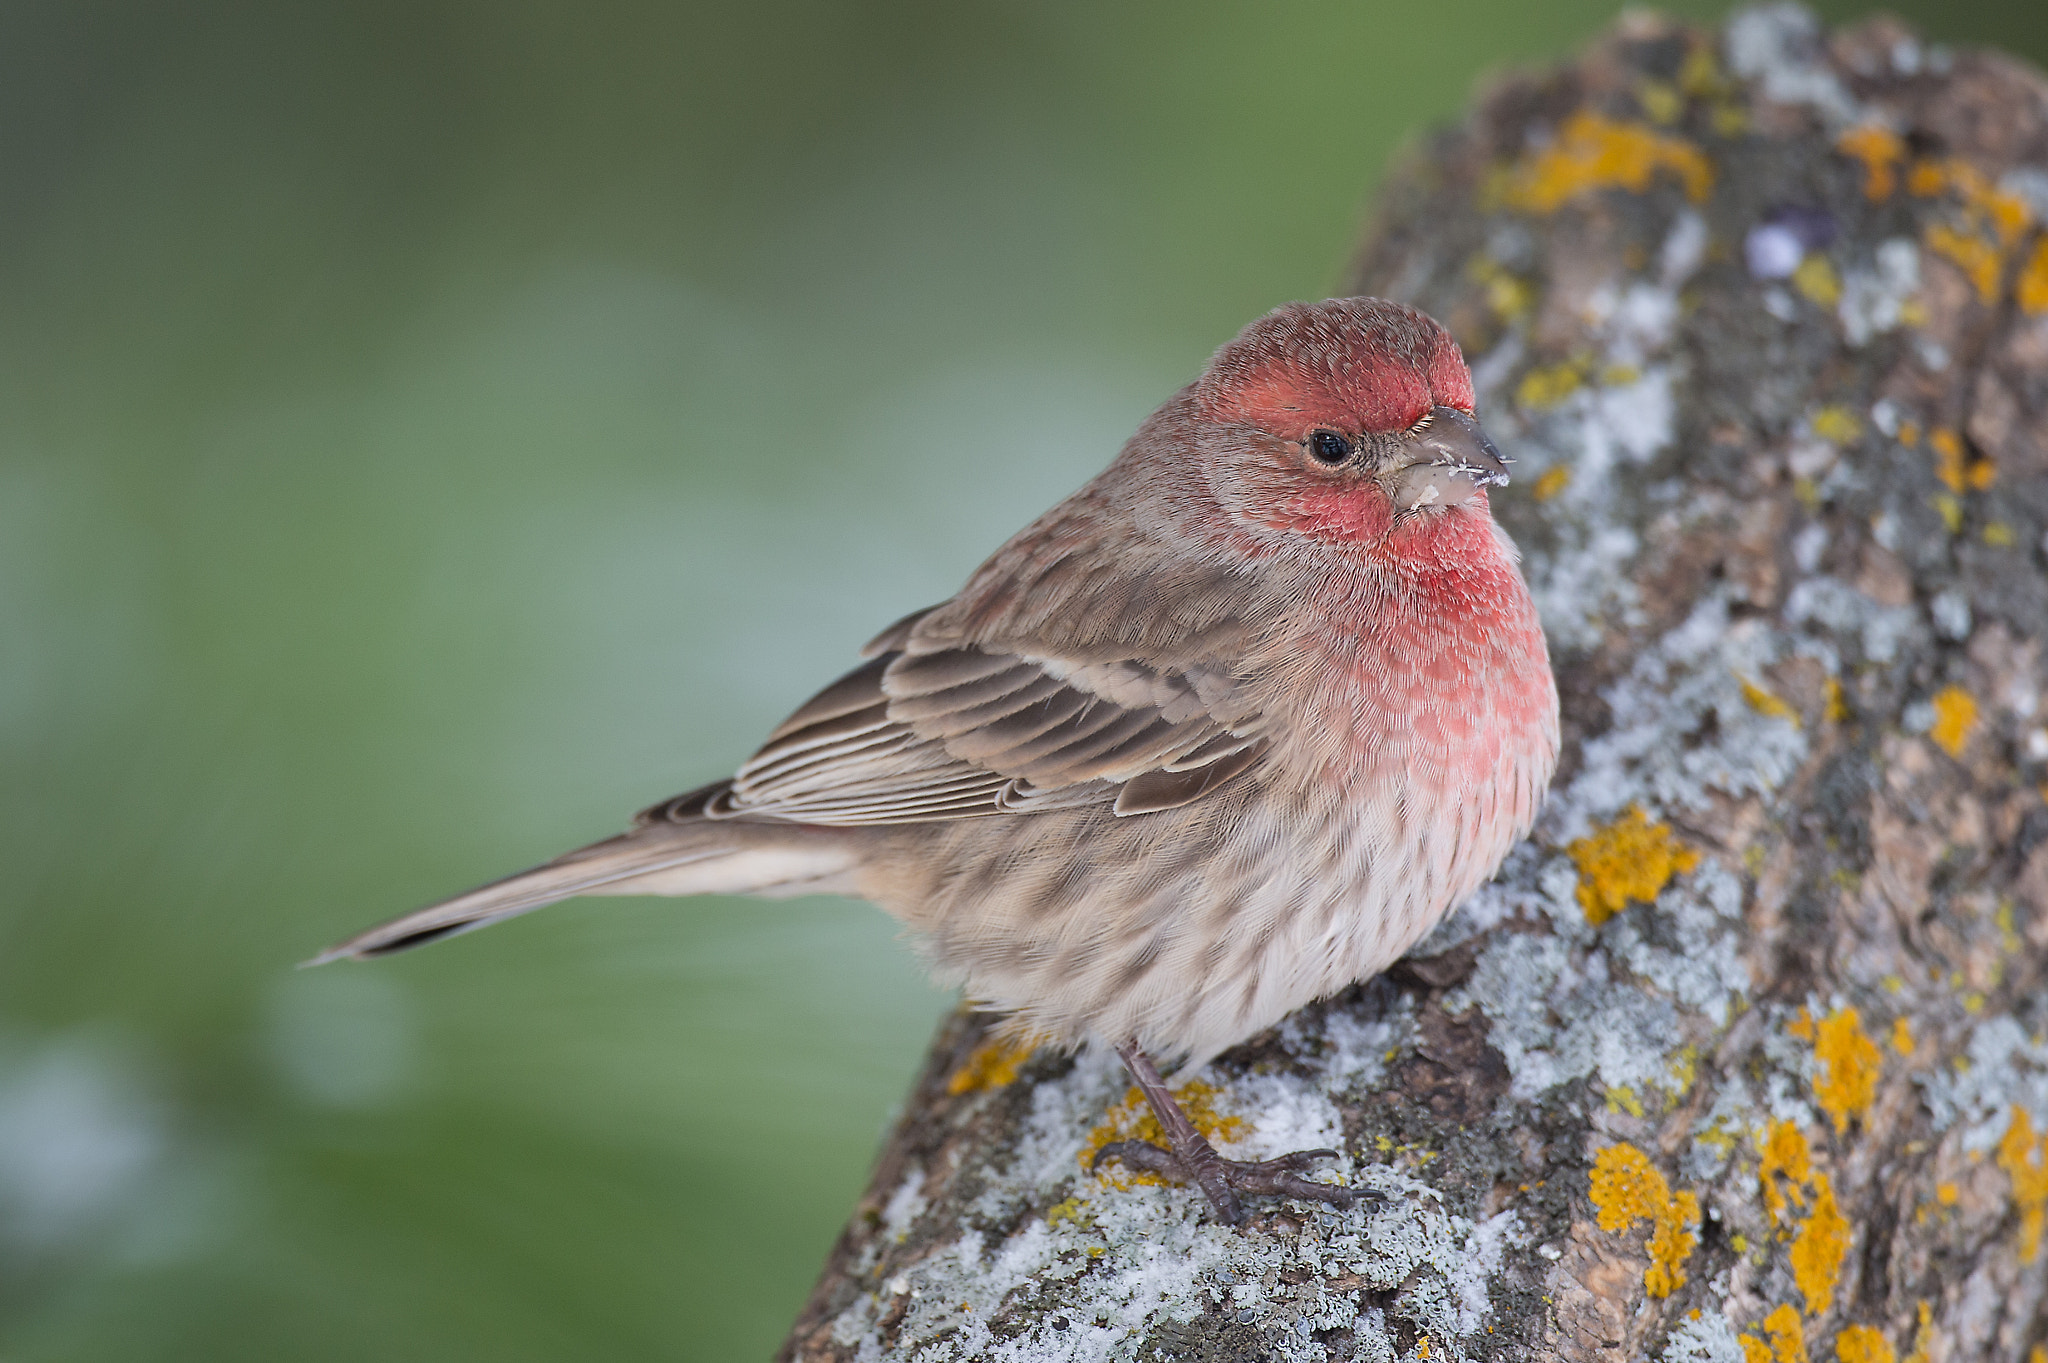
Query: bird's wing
930	732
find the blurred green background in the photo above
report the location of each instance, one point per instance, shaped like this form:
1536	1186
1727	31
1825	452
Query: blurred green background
429	432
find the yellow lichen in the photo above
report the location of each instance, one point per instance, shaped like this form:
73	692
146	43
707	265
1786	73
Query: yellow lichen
1948	458
1506	295
1552	481
1784	1154
2032	286
1957	469
2005	213
2008	213
1972	254
1909	433
1787	1336
1630	859
1790	1183
1999	535
1132	1120
1926	179
1862	1344
1837	425
1068	1213
1881	151
1951	512
1816	278
1683	1068
1660	101
1947	1194
1845	1080
1718	1138
1955	714
1902	1035
1548	386
1622	1098
1627	1188
1822	1245
1764	703
1700	75
1592	152
2024	1158
1994	221
1837	708
992	1065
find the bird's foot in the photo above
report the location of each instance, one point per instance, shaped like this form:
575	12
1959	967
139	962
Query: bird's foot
1193	1160
1279	1177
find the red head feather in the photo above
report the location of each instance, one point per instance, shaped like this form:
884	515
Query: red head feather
1349	364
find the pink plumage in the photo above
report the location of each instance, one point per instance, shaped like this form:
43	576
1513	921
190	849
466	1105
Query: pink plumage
1228	729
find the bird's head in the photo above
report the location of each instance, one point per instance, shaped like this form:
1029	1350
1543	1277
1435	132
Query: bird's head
1348	422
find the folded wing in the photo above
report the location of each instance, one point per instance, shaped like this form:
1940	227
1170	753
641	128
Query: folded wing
923	733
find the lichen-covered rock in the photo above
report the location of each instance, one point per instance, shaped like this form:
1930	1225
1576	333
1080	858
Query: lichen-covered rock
1744	1055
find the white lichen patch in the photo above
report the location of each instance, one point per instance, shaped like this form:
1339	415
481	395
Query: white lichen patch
1704	1338
1788	1074
1781	49
2001	1067
1616	412
1830	604
1557	1015
1716	1134
1651	756
1702	967
905	1205
1352	1049
1874	298
1126	1261
1146	1259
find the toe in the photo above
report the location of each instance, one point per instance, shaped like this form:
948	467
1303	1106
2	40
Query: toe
1142	1156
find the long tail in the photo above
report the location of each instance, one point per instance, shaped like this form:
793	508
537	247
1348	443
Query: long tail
690	855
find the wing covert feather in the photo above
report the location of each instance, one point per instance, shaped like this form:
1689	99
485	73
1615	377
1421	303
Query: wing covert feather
1064	678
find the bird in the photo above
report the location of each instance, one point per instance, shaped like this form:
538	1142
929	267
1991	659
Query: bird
1227	730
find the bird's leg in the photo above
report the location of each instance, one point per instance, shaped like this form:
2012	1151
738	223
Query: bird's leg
1191	1157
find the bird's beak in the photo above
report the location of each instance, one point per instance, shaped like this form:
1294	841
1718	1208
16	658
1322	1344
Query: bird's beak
1445	462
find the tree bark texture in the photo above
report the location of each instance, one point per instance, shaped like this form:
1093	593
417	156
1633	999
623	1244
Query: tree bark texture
1744	1055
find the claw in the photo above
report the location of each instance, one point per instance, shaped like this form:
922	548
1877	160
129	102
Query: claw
1140	1155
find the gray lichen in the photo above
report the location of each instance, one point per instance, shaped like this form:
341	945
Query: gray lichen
1126	1264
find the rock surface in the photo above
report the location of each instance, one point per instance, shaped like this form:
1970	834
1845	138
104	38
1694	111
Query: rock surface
1744	1056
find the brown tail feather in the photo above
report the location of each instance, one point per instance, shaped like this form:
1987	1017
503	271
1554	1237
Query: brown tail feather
596	868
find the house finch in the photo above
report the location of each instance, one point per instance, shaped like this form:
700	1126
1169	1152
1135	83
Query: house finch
1225	731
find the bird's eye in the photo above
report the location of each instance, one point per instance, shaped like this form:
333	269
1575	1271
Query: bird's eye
1327	447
